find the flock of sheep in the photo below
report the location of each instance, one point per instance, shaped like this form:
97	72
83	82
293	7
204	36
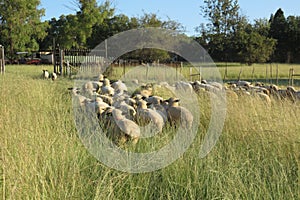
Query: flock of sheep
130	114
139	115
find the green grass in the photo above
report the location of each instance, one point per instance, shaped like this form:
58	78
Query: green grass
256	73
42	157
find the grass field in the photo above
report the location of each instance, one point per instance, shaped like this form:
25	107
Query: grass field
267	73
42	157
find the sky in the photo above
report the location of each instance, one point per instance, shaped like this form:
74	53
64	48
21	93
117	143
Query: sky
186	12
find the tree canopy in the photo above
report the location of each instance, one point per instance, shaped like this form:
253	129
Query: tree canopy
21	30
227	36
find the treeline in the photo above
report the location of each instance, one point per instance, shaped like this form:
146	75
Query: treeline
228	35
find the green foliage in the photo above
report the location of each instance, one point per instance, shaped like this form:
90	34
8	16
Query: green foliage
224	18
278	31
230	37
252	45
293	39
73	30
21	26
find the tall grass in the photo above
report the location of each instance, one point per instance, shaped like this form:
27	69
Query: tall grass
42	157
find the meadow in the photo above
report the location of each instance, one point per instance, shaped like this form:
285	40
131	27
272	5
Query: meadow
256	157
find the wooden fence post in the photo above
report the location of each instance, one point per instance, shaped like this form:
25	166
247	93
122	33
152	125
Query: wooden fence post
61	61
293	72
253	70
241	70
271	73
277	74
124	69
266	73
176	71
226	69
2	59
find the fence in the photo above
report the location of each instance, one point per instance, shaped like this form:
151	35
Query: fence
2	60
292	74
69	61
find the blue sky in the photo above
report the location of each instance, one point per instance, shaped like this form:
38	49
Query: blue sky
186	12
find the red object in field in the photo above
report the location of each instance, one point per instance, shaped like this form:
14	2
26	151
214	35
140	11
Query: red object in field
34	61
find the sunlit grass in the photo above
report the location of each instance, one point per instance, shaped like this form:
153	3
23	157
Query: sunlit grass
42	157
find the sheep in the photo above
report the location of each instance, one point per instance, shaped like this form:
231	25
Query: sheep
217	85
264	97
120	95
106	99
106	88
89	88
179	114
130	101
45	74
160	109
101	77
127	110
146	115
292	93
244	84
232	95
145	90
198	86
154	99
120	86
96	106
79	99
124	128
53	76
185	87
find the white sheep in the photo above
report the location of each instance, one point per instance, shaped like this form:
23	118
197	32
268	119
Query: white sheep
106	88
45	74
53	76
88	88
106	99
154	99
243	83
124	128
184	87
146	115
264	97
101	77
127	110
145	90
293	93
179	114
119	85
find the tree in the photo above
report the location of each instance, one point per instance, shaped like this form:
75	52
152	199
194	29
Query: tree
253	46
89	15
109	27
21	25
279	31
74	30
147	54
223	17
293	38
